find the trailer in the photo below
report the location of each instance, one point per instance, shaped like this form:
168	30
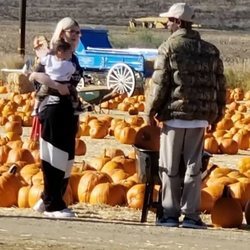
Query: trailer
121	68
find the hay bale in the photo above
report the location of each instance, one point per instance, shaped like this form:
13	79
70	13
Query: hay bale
19	83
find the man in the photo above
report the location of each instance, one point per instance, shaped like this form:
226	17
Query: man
187	95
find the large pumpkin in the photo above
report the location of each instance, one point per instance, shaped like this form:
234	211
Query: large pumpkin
227	211
148	137
10	183
108	193
87	183
20	154
135	196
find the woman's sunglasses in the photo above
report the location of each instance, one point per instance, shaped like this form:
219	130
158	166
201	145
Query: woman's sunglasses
77	32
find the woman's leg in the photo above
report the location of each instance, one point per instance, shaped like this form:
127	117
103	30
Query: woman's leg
57	147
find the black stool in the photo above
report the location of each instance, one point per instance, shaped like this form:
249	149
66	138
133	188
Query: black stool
148	172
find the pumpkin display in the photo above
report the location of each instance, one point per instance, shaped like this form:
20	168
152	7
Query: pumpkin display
227	211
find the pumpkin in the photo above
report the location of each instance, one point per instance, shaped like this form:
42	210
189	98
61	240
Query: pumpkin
87	183
20	154
98	131
112	152
133	111
129	165
118	174
35	194
110	166
108	193
4	151
228	146
80	147
209	195
23	197
240	191
126	136
148	137
10	183
13	126
247	212
135	196
99	162
211	145
244	164
28	171
227	211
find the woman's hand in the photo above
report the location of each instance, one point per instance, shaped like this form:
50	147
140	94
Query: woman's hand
62	88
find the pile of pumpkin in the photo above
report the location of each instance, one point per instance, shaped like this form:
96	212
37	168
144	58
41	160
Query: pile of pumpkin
109	179
233	131
133	105
124	130
225	194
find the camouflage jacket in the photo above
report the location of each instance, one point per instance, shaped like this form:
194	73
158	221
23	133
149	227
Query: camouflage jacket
188	81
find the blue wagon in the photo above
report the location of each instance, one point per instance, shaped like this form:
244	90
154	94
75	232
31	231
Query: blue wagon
122	68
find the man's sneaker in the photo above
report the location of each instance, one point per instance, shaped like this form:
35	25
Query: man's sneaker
65	213
195	224
168	222
39	206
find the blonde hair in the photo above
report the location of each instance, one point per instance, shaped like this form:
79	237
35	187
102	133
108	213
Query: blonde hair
63	24
40	41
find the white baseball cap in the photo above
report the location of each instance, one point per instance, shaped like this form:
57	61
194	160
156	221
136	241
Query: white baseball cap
180	11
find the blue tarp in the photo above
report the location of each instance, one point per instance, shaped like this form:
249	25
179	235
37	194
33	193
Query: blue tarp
95	38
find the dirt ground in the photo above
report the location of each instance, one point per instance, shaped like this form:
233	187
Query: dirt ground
104	227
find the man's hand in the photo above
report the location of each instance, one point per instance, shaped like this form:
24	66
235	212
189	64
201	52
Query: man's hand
151	120
211	128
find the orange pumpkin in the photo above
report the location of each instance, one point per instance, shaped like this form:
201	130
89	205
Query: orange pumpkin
20	154
148	137
108	193
227	211
87	183
135	196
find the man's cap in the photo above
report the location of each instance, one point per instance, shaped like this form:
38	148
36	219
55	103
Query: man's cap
180	11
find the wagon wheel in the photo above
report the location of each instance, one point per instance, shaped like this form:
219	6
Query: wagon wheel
121	79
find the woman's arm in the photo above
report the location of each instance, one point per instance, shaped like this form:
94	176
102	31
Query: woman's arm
45	79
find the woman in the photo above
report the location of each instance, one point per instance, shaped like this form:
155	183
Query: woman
59	127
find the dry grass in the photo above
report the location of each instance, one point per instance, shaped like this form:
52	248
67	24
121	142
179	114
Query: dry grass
232	44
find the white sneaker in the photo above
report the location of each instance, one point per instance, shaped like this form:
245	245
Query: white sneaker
65	213
39	206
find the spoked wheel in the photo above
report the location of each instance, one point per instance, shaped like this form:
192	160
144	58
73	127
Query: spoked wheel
121	79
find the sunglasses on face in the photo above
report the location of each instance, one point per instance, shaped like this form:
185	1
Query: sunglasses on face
76	32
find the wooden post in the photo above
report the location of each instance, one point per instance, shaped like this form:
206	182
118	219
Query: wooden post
22	18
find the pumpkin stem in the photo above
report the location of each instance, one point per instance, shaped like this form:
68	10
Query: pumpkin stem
12	169
226	192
